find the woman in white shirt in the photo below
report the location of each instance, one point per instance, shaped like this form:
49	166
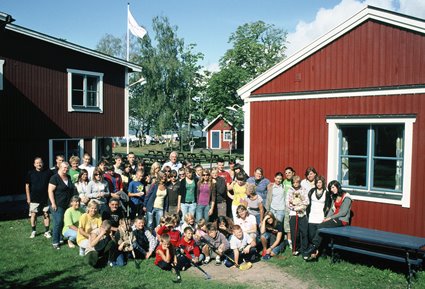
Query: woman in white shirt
247	222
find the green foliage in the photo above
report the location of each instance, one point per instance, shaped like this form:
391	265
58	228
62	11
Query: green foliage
256	47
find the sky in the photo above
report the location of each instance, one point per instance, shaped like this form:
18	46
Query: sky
206	23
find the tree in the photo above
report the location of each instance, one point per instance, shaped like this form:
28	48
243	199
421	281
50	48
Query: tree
256	47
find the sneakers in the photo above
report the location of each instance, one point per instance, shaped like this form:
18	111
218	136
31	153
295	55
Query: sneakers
47	235
56	246
290	244
218	261
296	253
60	241
71	244
266	257
264	253
207	260
32	234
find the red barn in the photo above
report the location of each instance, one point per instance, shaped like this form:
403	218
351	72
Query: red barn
352	105
221	134
57	98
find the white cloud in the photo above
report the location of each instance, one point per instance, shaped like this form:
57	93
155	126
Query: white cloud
327	19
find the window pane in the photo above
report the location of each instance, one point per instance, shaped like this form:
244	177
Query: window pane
58	149
92	91
77	97
354	140
386	174
353	172
73	148
91	98
77	81
388	139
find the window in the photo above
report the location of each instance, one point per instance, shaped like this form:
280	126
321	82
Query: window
227	135
65	147
85	91
373	159
1	73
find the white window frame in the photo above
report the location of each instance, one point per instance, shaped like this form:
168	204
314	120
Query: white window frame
99	108
219	138
224	135
334	152
1	73
52	157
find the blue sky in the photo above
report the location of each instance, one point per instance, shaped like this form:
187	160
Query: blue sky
207	23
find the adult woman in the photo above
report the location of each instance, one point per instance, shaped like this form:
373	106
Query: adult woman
206	197
320	203
60	192
98	189
338	215
247	222
155	168
310	176
271	236
156	201
276	197
88	222
239	193
260	182
187	193
81	187
71	221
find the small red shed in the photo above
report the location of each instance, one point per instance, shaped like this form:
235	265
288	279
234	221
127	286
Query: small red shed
352	105
221	134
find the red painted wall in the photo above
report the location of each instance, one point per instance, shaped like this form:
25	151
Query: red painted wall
295	133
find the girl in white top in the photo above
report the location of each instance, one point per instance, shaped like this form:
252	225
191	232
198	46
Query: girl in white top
247	222
310	176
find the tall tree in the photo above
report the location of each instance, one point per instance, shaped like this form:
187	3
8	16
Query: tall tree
255	48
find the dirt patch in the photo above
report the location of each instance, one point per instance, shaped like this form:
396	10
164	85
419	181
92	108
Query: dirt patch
261	275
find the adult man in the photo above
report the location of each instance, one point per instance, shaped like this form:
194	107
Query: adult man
36	184
131	159
59	160
173	163
87	165
113	214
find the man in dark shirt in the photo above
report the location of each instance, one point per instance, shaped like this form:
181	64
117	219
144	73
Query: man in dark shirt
36	184
114	213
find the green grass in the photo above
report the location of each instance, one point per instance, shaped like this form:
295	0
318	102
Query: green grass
33	263
349	274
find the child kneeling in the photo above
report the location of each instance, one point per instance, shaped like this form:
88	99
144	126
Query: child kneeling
189	252
242	246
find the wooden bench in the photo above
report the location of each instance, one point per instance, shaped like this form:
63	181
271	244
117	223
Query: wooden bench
380	244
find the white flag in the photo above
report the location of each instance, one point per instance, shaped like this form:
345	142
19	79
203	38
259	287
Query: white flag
134	28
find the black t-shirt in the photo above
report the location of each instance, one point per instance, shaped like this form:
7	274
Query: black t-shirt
173	193
113	217
38	182
274	231
63	192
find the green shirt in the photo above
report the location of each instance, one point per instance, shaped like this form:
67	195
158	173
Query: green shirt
71	217
74	175
190	192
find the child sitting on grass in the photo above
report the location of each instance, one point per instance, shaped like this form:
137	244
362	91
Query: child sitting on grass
216	244
242	248
189	251
165	257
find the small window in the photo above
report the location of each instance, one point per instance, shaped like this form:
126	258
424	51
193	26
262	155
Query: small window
1	73
85	91
227	135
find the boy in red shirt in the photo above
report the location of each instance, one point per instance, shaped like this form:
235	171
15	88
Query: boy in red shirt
165	257
189	251
169	228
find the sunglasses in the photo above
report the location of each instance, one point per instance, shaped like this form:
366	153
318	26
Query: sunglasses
206	175
96	175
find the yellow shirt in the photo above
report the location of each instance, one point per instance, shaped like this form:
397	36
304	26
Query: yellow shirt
88	224
239	193
159	201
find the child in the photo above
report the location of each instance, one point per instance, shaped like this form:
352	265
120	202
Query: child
217	244
200	231
254	203
145	243
165	257
170	223
161	223
297	202
136	192
190	252
101	246
239	193
189	221
242	247
124	239
224	226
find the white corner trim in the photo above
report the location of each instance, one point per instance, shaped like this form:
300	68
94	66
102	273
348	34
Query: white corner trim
1	73
333	153
247	136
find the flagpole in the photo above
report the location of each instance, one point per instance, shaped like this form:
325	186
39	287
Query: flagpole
126	96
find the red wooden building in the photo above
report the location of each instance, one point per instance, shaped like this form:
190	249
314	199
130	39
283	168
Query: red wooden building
221	134
351	104
57	97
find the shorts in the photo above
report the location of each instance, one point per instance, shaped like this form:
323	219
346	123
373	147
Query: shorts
35	208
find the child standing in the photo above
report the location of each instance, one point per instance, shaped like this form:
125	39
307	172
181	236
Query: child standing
297	203
242	247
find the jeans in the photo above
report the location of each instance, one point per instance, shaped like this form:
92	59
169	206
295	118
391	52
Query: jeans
202	212
57	224
70	235
156	215
188	208
279	214
270	240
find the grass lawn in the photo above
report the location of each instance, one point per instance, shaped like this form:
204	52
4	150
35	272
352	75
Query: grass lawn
32	263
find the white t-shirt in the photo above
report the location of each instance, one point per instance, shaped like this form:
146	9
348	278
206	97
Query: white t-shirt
246	224
236	243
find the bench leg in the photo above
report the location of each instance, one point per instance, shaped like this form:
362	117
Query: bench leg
409	271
